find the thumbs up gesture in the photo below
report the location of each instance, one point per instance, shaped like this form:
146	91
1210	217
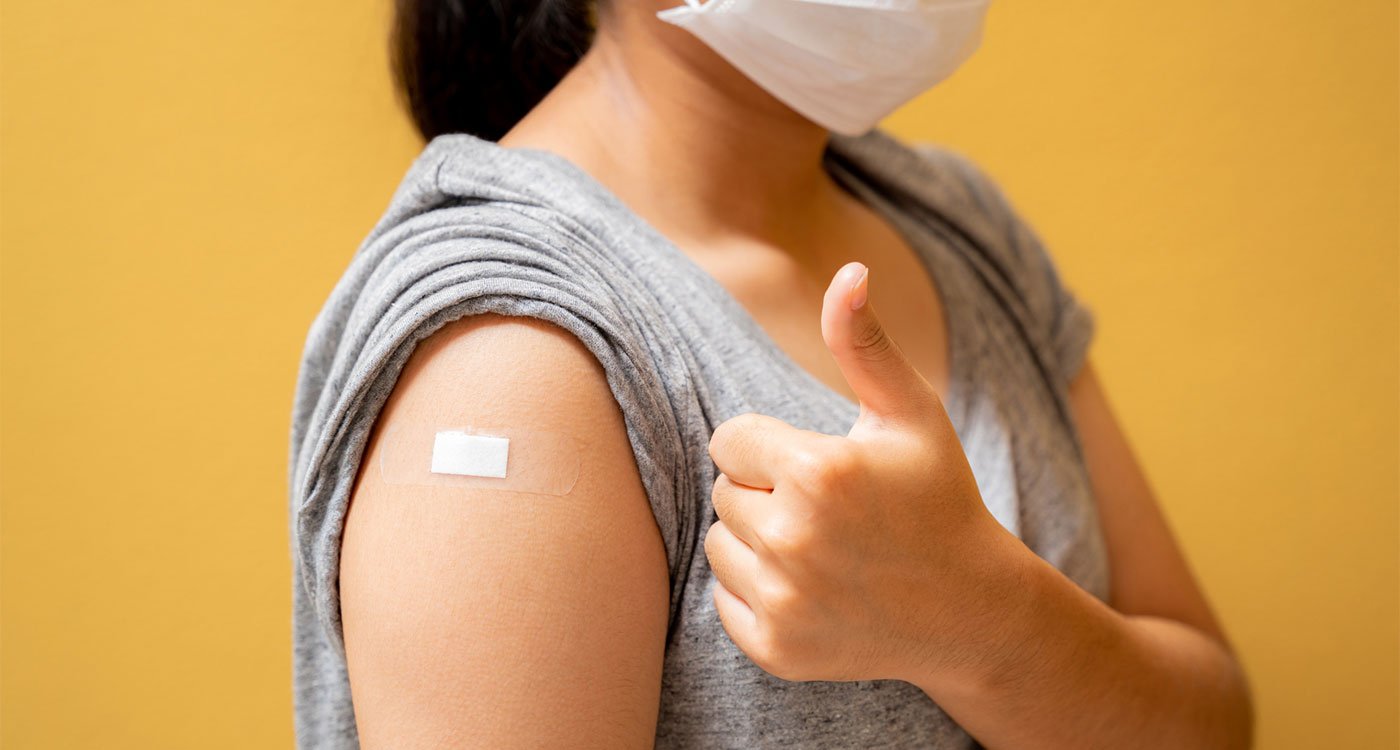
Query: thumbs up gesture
869	556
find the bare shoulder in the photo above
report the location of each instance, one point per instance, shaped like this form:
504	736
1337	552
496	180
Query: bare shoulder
484	617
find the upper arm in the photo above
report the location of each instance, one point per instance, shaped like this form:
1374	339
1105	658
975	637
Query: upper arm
1149	574
480	617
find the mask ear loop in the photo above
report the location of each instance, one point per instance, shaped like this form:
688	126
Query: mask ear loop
690	7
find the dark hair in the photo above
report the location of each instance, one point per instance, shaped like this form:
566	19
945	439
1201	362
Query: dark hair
477	66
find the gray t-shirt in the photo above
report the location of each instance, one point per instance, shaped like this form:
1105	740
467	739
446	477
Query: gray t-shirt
475	227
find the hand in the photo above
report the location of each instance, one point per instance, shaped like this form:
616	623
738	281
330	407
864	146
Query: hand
869	556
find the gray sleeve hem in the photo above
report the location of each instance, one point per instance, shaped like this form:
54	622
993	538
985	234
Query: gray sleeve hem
1077	326
371	373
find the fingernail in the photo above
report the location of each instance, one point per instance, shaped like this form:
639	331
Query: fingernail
860	289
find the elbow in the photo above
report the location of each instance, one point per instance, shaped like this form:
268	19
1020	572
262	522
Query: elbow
1239	709
1245	740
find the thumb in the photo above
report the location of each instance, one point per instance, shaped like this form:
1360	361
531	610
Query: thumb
887	386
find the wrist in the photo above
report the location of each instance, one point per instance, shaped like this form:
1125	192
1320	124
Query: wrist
1003	624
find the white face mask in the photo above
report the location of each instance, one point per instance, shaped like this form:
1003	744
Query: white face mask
844	64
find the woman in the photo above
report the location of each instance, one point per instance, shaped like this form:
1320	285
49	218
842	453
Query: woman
583	454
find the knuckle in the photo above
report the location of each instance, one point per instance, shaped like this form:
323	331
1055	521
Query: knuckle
712	535
871	342
780	600
820	470
785	536
712	542
843	465
809	468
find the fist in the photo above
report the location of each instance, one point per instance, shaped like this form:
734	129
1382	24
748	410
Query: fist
868	556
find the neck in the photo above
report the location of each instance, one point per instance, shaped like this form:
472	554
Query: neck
682	137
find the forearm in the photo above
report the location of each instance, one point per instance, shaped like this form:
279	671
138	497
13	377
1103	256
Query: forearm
1064	670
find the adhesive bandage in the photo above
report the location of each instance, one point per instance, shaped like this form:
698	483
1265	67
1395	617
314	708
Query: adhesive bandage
539	462
467	455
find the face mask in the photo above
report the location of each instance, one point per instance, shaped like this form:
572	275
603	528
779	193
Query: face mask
844	64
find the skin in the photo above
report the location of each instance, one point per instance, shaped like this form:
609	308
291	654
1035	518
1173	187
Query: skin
485	618
470	620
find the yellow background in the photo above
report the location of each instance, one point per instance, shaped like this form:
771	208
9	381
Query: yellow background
184	181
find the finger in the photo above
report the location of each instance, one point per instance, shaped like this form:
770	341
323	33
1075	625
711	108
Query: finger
734	563
887	386
739	506
750	448
736	617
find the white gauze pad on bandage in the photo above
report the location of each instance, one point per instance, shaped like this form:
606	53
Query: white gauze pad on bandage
539	462
468	455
